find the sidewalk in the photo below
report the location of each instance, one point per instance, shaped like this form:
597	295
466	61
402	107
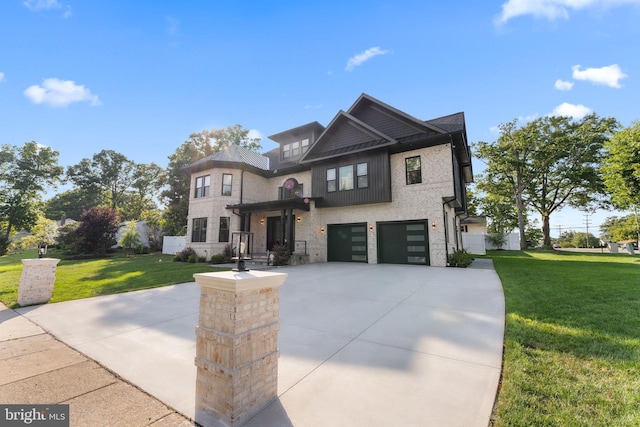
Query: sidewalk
35	368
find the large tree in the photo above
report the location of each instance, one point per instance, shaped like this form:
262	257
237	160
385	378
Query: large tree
547	164
71	203
107	173
196	147
566	164
25	174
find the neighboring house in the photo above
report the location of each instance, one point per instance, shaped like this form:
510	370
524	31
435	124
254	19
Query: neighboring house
474	225
376	185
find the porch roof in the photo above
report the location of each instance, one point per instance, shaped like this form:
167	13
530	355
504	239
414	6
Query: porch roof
275	205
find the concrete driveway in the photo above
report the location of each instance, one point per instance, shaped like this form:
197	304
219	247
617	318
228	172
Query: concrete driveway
360	344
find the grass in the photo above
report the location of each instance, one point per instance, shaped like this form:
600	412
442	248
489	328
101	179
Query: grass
117	273
572	340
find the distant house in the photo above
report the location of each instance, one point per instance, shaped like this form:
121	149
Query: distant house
375	185
474	225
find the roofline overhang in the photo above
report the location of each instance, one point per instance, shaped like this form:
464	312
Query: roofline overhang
275	205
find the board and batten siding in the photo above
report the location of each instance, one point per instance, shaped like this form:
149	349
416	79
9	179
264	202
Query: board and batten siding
379	177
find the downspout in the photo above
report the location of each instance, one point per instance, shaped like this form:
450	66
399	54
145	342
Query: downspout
444	221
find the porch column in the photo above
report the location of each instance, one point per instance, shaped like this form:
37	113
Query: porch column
283	228
290	232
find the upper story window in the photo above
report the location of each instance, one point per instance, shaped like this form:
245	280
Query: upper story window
290	189
331	180
295	149
202	186
227	180
345	174
343	178
363	175
414	170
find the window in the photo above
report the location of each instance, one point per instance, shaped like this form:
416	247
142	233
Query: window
362	174
227	178
286	150
331	180
290	193
305	145
202	186
346	177
223	231
414	172
199	230
295	148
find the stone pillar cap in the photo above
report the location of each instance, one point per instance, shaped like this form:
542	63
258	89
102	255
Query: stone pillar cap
236	281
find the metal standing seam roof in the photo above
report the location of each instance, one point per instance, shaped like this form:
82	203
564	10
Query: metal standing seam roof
235	153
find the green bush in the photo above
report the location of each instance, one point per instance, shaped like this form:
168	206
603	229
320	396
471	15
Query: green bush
460	258
193	258
219	259
184	255
281	255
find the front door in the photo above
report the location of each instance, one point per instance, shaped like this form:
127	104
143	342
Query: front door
274	232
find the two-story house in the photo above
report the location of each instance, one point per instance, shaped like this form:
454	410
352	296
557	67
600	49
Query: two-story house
376	185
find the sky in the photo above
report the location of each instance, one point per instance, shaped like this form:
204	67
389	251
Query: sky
138	77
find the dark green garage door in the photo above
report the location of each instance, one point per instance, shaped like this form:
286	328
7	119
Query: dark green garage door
404	242
347	242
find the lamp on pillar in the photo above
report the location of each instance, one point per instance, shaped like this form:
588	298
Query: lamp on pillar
242	244
42	249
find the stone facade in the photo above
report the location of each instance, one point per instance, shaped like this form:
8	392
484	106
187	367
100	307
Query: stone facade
236	345
36	281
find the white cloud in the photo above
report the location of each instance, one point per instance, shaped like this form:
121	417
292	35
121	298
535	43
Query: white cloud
553	9
60	93
37	5
360	58
253	133
609	75
1	76
576	111
563	85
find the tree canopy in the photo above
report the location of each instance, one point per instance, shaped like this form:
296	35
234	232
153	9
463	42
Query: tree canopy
25	174
549	163
621	167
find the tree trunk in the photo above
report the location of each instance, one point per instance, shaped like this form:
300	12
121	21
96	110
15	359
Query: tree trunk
545	231
520	208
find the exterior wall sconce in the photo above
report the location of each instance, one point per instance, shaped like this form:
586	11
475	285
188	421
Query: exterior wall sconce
261	221
299	219
322	230
433	225
370	227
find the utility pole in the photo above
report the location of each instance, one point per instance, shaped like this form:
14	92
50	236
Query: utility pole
586	222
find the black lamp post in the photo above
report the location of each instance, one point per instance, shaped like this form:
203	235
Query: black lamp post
42	249
242	243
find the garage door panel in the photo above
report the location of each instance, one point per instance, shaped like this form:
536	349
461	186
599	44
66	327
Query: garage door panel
404	242
347	242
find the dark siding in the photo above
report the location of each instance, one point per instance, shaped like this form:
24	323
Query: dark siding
459	187
345	135
379	174
386	124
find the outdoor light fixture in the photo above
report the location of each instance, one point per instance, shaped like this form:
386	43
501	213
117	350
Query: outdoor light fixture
370	227
42	249
261	221
242	244
299	219
433	225
322	230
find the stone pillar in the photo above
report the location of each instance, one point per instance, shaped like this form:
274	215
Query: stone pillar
36	281
236	345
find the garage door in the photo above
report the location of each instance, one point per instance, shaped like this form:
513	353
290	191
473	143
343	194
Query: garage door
347	242
404	242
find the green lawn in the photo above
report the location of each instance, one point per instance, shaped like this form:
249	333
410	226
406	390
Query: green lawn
87	278
572	341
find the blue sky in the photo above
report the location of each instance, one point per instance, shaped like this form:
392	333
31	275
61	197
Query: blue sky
139	77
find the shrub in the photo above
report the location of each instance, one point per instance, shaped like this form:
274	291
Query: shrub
193	258
98	228
281	255
183	256
4	243
460	258
219	259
